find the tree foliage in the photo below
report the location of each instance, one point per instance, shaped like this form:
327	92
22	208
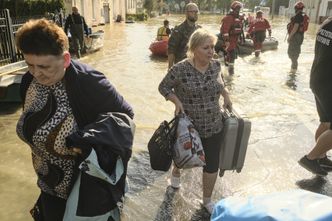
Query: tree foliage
149	5
21	8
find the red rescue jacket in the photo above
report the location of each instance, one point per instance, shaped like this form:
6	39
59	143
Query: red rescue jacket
231	25
259	24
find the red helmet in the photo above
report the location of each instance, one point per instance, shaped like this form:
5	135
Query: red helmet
236	5
299	5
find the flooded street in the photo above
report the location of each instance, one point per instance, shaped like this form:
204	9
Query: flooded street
280	106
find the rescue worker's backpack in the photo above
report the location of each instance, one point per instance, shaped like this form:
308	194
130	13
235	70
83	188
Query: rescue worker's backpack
305	23
303	26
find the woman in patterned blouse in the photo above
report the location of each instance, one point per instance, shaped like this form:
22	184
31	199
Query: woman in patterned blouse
194	85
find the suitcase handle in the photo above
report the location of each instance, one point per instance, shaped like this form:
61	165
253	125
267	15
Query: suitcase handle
228	113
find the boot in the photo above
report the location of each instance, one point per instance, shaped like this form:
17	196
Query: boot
257	54
230	70
294	64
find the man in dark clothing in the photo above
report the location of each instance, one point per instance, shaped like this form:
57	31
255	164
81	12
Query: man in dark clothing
316	160
296	28
177	44
77	26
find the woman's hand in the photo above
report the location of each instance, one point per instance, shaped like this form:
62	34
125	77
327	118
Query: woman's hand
77	150
178	108
176	101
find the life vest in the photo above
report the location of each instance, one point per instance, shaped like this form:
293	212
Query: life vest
162	34
303	26
231	25
236	27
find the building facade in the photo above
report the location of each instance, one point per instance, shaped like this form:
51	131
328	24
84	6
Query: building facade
325	10
317	10
89	9
98	12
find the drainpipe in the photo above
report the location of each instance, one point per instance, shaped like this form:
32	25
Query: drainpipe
318	10
273	8
125	15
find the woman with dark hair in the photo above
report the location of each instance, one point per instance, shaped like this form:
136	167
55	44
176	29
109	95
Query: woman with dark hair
62	100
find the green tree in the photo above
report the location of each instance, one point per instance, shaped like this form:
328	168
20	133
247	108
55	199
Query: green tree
149	6
19	8
252	3
225	4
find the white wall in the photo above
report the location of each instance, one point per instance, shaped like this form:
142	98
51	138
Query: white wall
89	9
131	6
311	9
119	8
324	9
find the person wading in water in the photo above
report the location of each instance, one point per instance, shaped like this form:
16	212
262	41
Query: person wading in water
77	26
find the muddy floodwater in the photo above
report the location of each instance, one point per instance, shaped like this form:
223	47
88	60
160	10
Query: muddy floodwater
280	106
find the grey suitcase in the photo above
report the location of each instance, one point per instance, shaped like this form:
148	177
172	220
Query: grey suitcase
235	139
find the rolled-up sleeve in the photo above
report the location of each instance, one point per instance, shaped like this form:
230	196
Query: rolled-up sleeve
167	85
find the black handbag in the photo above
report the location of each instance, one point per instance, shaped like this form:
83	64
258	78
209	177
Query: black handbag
160	145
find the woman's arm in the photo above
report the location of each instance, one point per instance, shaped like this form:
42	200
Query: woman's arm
166	88
104	97
227	101
176	101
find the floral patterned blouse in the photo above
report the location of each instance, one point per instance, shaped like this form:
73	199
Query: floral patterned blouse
199	94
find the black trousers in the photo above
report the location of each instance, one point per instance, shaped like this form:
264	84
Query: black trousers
211	146
48	208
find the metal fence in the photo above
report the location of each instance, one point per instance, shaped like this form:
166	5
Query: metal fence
9	26
8	51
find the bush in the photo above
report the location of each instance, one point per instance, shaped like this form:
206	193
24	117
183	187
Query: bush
137	17
142	17
31	8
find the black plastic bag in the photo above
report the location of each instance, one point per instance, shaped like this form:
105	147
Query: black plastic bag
161	144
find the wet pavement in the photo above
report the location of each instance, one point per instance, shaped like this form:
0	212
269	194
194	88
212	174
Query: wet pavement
279	104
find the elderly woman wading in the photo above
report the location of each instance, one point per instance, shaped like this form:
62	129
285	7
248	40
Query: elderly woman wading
194	85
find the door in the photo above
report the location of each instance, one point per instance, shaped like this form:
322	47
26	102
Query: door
107	13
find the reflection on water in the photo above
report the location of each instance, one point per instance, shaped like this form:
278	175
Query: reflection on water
291	82
283	118
316	184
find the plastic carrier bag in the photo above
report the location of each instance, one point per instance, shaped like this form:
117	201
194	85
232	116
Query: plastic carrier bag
161	144
188	149
294	205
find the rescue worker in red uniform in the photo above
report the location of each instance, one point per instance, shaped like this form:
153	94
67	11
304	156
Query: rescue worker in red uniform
230	31
296	28
257	31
